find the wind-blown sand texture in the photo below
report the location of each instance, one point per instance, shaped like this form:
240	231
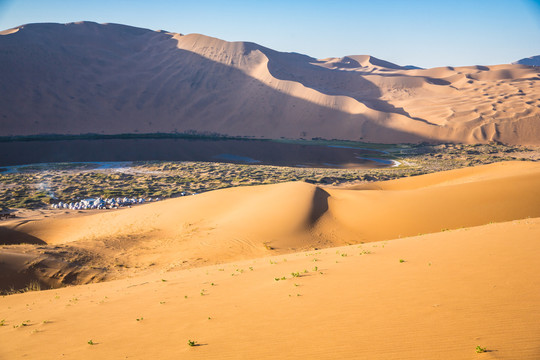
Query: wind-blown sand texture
80	78
471	281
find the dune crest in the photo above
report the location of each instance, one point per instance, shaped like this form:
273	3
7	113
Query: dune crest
256	221
85	77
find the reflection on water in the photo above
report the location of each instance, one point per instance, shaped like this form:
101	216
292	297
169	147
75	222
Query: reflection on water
236	158
222	150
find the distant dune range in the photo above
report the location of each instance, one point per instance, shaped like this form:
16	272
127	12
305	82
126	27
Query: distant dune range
80	78
530	61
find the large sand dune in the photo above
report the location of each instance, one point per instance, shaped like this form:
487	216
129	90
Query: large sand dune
448	262
82	78
250	222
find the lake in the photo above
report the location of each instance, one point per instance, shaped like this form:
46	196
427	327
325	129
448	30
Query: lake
262	152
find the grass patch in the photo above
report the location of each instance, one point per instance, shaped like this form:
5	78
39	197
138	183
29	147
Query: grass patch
480	349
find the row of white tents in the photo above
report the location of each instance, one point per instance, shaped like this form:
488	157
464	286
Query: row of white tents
101	203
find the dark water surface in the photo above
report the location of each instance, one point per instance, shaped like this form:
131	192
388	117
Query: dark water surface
222	150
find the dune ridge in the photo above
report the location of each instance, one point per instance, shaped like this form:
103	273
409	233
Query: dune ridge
250	222
112	79
427	267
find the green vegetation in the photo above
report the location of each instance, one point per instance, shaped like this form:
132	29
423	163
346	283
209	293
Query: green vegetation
32	286
190	134
24	323
192	343
401	260
36	186
480	349
91	342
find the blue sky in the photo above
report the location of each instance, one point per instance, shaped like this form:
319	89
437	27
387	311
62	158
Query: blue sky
425	33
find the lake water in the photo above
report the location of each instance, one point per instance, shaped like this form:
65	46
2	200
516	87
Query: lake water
223	150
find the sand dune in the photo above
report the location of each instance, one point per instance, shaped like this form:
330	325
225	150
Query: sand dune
224	269
106	78
250	222
454	291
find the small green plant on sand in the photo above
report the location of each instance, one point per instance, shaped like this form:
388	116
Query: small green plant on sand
24	323
295	274
401	260
480	349
90	342
191	343
3	322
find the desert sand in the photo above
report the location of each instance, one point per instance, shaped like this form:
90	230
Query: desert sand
84	77
255	221
427	267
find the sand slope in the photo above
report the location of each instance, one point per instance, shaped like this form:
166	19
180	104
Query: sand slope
108	78
472	281
250	222
455	290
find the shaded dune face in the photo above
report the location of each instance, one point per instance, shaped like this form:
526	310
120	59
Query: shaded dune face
94	78
14	237
251	222
108	78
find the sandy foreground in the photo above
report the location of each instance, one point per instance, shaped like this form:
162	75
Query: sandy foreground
449	262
